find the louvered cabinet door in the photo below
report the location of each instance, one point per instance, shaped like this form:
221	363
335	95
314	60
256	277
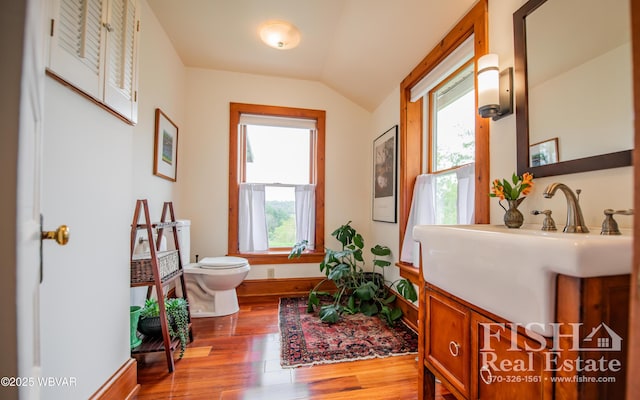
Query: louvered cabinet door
77	44
121	60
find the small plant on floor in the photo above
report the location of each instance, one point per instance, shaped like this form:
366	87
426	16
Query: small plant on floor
358	290
177	315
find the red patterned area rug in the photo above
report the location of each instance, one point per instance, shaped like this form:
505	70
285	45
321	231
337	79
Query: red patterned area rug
307	341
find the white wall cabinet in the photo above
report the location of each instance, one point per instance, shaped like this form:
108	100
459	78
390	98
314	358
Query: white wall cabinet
93	47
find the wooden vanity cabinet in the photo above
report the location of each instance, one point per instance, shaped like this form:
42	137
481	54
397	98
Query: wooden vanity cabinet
447	349
462	345
506	364
594	302
474	353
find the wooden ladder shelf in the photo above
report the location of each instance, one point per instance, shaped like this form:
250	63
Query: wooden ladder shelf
152	275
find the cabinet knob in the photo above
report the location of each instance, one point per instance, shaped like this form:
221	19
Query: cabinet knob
60	235
454	348
486	375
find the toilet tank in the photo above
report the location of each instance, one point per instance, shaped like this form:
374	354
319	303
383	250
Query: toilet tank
184	238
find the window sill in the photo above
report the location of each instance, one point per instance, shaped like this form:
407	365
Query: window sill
280	257
409	272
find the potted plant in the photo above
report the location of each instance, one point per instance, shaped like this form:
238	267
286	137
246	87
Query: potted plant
358	290
177	316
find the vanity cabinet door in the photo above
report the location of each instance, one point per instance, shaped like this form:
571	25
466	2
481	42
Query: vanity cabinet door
447	347
507	365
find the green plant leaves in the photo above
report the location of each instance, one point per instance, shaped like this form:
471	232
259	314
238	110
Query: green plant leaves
358	255
150	309
381	263
369	308
344	234
177	312
352	307
298	248
407	290
340	271
330	313
366	291
358	291
312	302
380	250
358	241
390	315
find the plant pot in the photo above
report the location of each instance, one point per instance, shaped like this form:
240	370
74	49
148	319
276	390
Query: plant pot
378	279
134	315
150	326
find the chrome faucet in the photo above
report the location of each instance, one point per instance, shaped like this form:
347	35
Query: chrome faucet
575	221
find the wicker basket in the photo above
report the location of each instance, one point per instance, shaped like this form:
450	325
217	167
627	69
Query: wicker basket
142	268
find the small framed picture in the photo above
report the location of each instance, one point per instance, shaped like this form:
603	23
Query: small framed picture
385	154
543	153
165	156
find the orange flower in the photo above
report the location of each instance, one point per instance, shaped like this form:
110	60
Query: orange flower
527	183
497	190
511	190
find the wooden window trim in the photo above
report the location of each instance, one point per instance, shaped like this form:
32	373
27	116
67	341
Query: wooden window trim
275	256
411	122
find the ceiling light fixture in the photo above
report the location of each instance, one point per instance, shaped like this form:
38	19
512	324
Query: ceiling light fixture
279	35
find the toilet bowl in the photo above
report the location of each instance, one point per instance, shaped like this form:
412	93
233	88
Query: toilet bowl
211	285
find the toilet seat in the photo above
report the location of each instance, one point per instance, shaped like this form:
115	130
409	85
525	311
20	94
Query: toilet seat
225	262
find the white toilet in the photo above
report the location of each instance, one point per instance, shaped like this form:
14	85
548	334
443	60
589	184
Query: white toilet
211	282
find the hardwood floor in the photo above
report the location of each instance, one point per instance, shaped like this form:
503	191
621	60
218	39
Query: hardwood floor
238	357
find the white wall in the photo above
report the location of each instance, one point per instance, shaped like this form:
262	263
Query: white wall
204	158
384	117
161	84
95	166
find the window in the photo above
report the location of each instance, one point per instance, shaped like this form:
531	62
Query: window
276	186
451	138
417	117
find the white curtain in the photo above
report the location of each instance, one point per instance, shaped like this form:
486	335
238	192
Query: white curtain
306	214
252	221
422	212
466	193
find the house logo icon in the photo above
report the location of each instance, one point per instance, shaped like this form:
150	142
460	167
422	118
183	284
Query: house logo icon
601	338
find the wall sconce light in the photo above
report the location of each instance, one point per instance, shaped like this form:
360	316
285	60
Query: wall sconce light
495	89
279	35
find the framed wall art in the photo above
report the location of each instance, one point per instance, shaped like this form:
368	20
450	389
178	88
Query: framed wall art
544	153
385	176
165	156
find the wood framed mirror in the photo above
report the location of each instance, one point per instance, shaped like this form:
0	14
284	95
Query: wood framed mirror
555	96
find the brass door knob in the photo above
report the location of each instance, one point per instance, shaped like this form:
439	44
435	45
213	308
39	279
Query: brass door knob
60	235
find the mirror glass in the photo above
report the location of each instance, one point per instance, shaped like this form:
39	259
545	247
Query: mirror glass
574	101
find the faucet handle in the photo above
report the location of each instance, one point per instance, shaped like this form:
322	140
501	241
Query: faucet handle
548	224
609	225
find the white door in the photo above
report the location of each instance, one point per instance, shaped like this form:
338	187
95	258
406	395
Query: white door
28	196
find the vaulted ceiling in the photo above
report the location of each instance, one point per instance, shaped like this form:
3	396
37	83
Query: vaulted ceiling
360	48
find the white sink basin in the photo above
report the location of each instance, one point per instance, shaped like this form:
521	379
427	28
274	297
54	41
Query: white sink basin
511	272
